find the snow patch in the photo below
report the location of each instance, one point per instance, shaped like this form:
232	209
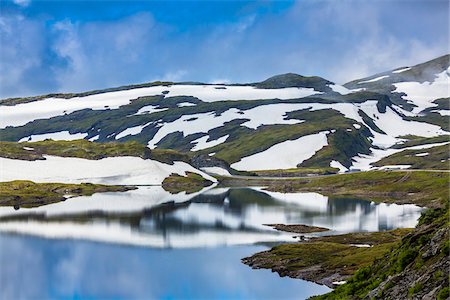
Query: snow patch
21	114
212	93
423	94
394	167
149	109
202	143
284	155
131	131
56	136
203	122
216	170
401	70
364	162
338	165
185	104
112	170
94	138
374	79
422	154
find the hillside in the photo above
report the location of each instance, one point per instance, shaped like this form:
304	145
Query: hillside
295	121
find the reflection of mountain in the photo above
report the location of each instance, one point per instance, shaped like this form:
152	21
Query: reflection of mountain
218	216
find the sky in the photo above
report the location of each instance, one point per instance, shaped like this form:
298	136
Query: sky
74	46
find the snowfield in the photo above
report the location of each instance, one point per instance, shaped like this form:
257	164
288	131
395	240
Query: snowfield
56	136
112	170
284	155
21	114
423	94
201	123
364	162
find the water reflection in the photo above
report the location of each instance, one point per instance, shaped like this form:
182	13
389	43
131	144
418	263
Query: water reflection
36	268
151	217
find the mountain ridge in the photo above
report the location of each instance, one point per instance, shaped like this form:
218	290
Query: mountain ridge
239	123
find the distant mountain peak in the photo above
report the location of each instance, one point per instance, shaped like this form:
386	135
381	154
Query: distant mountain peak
295	80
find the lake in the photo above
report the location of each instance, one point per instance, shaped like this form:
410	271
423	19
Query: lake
147	243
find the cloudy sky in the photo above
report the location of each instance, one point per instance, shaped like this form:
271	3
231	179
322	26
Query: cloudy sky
70	46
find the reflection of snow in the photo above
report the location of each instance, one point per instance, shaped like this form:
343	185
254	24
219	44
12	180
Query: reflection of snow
216	217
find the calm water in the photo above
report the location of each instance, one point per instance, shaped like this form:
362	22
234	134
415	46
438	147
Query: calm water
150	244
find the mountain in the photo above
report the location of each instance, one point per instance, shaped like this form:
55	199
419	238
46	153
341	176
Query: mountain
399	117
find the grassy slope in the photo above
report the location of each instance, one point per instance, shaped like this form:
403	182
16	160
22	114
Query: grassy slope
190	184
87	150
242	141
422	188
28	194
251	142
437	158
413	140
326	259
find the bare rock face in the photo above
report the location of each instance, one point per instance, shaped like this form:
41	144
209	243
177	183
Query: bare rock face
426	276
203	161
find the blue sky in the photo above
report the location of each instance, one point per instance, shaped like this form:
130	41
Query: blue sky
70	46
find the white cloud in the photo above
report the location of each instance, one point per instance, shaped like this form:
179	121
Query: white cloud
340	41
103	53
220	81
22	3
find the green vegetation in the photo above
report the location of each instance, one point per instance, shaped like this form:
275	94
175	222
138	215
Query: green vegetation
87	150
412	258
413	140
297	228
433	118
391	268
443	294
296	172
437	158
77	148
28	194
423	188
249	142
342	146
190	183
168	156
322	258
295	80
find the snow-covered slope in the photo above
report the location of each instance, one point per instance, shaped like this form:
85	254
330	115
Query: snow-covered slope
111	170
418	86
286	121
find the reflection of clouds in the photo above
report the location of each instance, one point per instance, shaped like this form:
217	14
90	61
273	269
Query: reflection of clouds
21	270
217	217
92	269
68	269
